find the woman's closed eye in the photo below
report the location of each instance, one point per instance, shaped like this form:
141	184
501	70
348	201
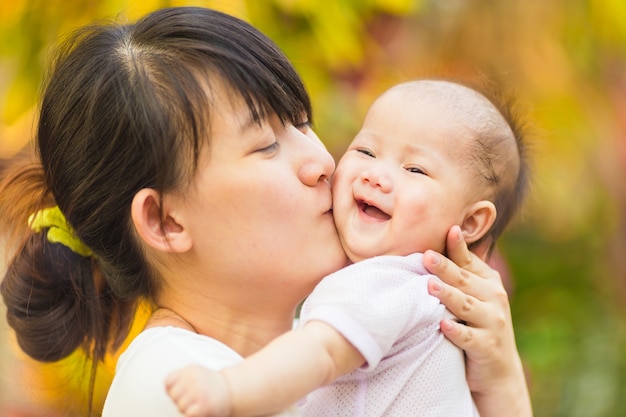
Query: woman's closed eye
269	149
303	126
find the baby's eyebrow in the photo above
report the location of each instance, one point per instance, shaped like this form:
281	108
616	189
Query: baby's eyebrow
415	149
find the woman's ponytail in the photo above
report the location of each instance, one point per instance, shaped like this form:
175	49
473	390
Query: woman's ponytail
52	300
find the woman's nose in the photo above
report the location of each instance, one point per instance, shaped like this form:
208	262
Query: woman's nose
318	164
377	177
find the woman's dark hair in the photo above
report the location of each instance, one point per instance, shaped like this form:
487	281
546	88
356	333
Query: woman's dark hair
125	107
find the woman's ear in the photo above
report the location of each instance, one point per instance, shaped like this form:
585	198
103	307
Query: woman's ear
478	220
164	234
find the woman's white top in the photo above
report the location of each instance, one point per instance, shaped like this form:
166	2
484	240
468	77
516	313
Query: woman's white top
138	388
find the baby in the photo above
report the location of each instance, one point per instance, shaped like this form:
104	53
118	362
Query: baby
430	155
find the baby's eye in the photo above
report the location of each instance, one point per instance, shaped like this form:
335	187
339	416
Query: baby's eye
416	170
366	152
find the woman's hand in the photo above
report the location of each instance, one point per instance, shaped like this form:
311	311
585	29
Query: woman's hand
474	293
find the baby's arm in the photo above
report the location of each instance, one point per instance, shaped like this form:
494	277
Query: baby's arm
270	380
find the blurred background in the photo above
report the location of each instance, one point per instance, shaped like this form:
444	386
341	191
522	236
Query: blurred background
565	258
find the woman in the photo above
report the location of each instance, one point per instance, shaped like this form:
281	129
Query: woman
179	149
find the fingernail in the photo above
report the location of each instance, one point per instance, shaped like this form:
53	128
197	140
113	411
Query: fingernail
435	286
446	325
435	258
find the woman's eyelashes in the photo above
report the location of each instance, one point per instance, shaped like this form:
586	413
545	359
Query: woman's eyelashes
269	149
303	126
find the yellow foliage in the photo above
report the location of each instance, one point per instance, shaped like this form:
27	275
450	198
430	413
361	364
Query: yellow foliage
607	18
565	60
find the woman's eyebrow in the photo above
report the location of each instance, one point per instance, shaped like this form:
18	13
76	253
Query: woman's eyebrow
248	123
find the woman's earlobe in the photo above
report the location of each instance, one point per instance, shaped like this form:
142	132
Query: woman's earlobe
163	234
478	221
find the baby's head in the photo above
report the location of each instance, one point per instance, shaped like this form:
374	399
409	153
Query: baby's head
430	154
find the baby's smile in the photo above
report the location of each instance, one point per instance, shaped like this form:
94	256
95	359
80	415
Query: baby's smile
372	211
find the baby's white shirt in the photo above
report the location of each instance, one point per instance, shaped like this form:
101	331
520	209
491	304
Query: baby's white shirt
382	306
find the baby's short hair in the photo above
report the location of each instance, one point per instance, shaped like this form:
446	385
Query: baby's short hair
498	152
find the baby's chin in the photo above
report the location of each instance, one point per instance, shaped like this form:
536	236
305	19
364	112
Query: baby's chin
360	254
359	248
357	254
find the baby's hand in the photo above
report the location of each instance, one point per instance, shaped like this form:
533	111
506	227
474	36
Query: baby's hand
199	392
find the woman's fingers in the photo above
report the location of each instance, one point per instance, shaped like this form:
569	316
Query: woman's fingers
463	284
456	248
471	261
465	307
480	326
489	302
474	293
460	334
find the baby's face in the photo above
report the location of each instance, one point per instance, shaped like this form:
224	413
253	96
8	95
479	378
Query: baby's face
401	184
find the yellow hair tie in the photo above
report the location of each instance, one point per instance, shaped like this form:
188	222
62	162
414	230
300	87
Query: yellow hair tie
59	230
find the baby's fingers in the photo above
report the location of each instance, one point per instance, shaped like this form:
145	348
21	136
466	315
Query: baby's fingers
172	385
181	386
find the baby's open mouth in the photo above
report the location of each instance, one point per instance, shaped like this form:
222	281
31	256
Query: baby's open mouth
373	211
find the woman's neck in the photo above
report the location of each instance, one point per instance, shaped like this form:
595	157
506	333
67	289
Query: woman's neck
163	316
243	329
246	334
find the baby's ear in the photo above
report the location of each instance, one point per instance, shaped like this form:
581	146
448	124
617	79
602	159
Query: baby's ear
166	234
478	220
